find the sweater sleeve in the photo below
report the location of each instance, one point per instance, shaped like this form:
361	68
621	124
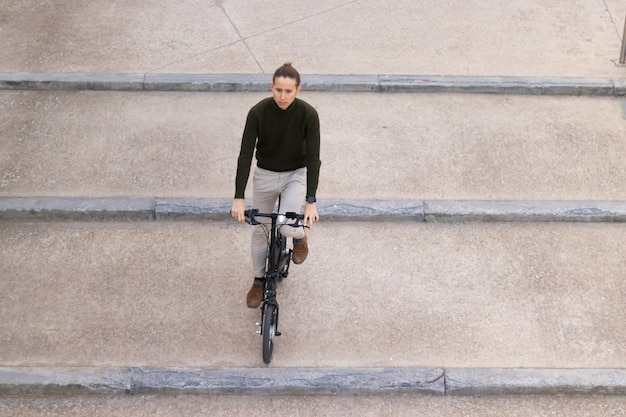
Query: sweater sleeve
248	143
313	161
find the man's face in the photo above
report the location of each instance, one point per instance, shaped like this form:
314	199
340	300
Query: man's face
285	91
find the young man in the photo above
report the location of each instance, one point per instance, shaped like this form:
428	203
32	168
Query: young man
285	131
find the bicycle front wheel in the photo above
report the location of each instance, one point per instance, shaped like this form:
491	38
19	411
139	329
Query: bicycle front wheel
270	320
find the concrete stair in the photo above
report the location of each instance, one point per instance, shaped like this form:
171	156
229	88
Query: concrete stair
472	199
463	276
374	294
387	146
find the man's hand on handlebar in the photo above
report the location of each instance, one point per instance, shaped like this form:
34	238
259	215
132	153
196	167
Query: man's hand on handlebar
237	211
310	215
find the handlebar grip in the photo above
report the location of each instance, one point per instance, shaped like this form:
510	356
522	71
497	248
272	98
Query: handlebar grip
293	215
250	215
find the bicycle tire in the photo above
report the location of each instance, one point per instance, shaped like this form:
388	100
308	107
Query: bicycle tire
269	331
284	271
284	260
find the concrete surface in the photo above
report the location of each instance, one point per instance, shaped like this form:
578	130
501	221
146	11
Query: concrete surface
311	381
171	294
465	296
473	303
497	38
220	83
148	209
405	147
313	406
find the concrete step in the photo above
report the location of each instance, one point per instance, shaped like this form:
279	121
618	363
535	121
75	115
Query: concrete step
427	37
416	295
403	295
312	406
375	145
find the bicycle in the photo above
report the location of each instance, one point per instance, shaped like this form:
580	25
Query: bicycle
277	268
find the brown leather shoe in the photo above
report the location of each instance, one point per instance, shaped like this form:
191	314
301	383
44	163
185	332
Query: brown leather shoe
300	250
255	295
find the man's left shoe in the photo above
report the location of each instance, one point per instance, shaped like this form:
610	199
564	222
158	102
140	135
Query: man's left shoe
300	250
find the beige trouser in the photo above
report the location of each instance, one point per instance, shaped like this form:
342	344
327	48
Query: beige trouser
267	187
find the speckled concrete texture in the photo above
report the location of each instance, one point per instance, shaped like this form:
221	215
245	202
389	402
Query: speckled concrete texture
313	406
323	37
543	295
112	293
405	146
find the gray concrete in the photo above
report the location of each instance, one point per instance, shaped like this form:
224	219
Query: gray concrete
260	381
405	147
494	381
327	83
312	381
403	405
51	209
471	298
156	307
137	209
431	37
379	294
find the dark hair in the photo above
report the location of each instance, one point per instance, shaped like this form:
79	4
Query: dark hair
288	71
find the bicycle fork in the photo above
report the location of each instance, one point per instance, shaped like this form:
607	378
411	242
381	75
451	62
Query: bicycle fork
270	299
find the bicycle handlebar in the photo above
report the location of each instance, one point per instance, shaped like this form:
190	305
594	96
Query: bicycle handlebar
252	213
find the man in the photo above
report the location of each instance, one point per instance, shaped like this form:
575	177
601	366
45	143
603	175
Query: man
285	132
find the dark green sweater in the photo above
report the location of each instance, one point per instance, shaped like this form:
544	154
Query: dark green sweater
285	140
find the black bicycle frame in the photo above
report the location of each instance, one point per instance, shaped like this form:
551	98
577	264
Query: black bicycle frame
275	242
275	257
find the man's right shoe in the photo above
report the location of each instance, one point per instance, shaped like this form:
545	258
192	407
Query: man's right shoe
255	295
